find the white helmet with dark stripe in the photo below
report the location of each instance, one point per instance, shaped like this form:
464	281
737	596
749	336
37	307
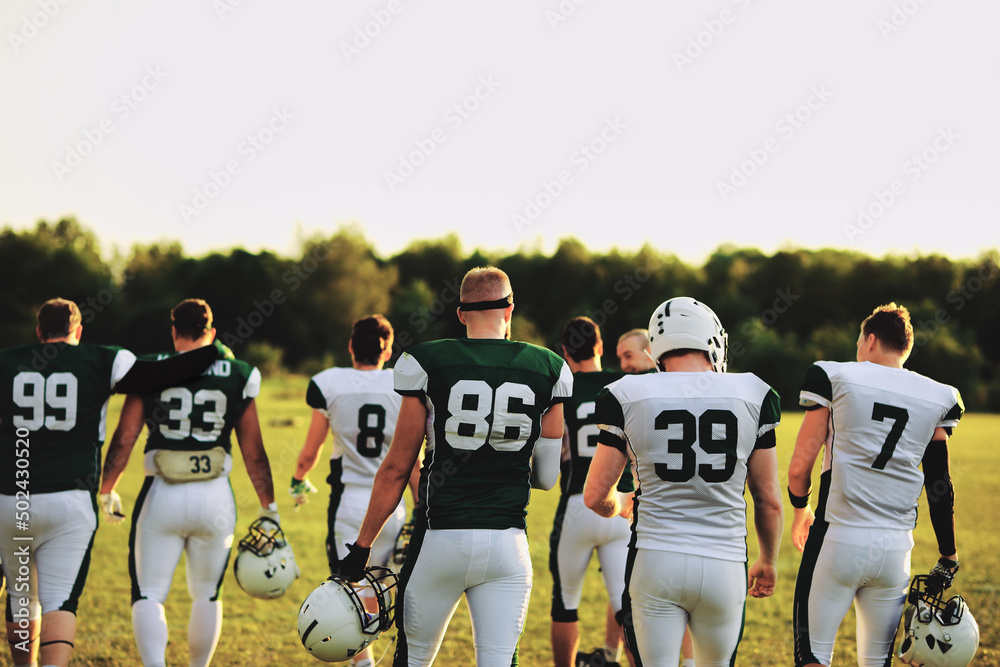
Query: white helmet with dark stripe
682	323
333	623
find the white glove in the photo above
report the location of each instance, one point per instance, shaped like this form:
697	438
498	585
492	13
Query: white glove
299	490
269	512
111	506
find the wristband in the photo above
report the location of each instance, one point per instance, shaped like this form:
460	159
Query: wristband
798	502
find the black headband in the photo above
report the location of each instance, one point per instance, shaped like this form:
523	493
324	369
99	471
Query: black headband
488	305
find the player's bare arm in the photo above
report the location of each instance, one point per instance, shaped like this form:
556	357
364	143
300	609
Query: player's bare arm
769	520
122	442
130	425
254	455
808	443
319	427
395	471
599	493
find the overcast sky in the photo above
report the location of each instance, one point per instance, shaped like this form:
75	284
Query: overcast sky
866	124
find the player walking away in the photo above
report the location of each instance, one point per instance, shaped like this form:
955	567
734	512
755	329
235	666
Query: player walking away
633	351
186	503
696	437
577	532
491	410
635	356
878	423
53	400
360	406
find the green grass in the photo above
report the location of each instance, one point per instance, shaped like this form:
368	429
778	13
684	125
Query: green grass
258	632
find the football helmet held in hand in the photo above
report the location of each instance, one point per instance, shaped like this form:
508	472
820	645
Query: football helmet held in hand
398	556
333	623
938	633
265	565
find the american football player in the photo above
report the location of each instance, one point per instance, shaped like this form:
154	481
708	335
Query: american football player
53	400
186	504
696	438
360	407
576	531
879	424
491	410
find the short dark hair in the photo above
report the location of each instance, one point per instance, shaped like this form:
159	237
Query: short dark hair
580	337
370	337
57	317
191	318
891	325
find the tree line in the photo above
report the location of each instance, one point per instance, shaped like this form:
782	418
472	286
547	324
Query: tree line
782	311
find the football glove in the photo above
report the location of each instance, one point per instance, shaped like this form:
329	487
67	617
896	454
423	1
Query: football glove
352	567
269	512
299	490
942	576
111	506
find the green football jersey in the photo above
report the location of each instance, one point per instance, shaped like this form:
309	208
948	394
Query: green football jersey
53	402
485	399
582	432
201	413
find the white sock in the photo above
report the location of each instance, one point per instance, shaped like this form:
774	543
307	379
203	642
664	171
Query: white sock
149	625
204	630
612	654
689	662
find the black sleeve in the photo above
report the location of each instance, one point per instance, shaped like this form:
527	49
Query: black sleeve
612	440
940	495
147	376
767	441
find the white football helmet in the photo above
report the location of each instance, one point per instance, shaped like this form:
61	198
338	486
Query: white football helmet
333	623
398	556
265	565
682	323
938	633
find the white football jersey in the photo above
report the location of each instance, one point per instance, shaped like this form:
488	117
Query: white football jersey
362	408
690	435
881	421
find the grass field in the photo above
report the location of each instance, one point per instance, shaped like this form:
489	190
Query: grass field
258	632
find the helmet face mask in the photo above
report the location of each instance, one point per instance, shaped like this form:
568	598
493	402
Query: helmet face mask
682	323
398	557
938	633
333	622
265	565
